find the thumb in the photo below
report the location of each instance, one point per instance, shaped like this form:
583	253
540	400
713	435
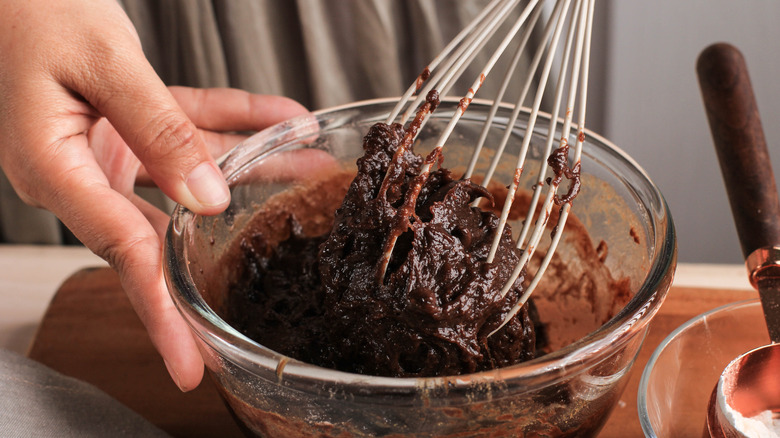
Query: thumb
126	90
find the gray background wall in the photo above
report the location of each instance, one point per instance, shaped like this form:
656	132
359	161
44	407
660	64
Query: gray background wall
647	101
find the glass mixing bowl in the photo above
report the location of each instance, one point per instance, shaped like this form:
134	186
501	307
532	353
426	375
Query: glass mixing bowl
622	232
682	372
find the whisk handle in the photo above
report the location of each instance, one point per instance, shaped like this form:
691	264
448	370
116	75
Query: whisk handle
740	145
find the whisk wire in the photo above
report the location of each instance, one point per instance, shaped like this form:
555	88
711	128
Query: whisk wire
442	56
497	101
455	57
443	72
581	67
553	125
532	118
462	56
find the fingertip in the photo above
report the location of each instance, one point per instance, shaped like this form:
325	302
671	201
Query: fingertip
186	377
183	361
288	108
205	189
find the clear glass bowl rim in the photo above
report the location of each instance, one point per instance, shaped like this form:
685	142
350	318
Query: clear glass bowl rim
540	372
641	398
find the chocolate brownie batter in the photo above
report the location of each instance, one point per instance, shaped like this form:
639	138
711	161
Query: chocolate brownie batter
400	285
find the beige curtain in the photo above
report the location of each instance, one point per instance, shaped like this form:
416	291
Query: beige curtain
319	52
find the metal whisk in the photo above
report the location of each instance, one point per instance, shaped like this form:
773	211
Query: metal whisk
565	44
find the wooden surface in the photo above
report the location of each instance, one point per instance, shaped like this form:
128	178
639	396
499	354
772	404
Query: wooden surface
90	332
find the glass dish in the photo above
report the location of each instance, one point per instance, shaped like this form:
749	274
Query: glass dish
569	392
682	372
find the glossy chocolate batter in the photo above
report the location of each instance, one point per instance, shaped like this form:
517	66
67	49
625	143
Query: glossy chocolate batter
330	301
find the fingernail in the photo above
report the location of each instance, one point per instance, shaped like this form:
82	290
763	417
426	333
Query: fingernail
175	376
208	186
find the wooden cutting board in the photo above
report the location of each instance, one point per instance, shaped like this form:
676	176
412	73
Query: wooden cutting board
90	332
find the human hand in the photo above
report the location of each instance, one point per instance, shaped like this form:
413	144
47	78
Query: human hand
83	116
